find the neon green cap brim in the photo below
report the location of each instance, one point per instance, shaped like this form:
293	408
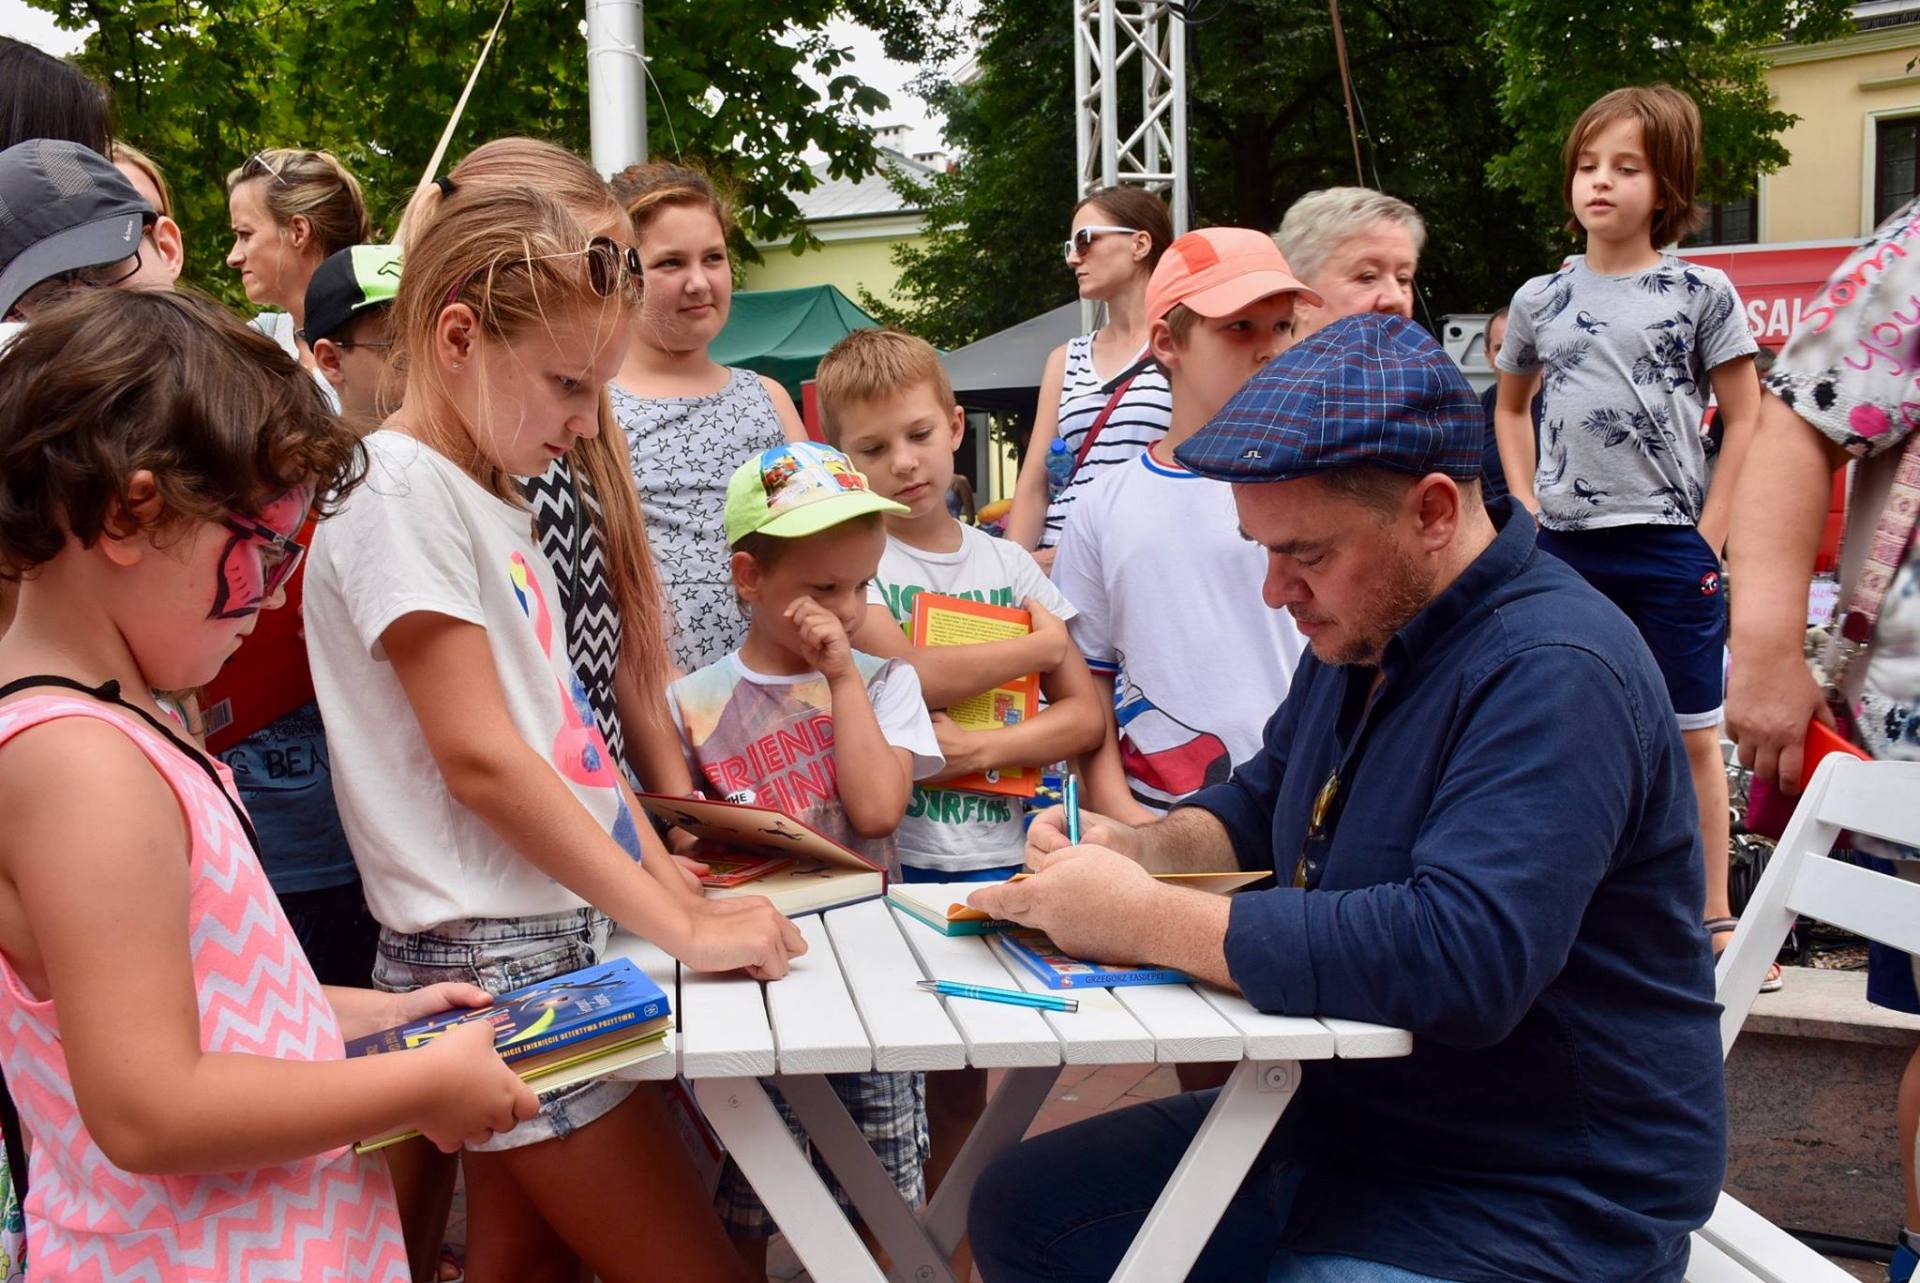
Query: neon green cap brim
812	518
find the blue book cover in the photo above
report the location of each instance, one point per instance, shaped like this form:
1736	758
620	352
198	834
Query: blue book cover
1054	969
593	1004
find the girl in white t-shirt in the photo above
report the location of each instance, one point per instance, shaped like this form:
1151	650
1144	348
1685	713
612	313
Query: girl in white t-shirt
492	829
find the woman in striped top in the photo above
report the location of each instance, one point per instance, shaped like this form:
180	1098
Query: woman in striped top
1118	236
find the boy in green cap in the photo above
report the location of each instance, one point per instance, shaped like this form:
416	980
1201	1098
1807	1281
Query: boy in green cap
798	720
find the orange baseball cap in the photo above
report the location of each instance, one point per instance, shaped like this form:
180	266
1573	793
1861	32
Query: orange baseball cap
1216	271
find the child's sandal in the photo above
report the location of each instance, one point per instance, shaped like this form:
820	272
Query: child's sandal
1726	926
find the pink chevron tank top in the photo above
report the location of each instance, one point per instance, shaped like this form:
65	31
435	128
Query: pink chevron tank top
330	1217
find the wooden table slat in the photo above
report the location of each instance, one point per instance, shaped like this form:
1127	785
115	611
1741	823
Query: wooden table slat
1358	1040
723	1026
1102	1032
999	1036
815	1027
1270	1037
908	1029
1184	1026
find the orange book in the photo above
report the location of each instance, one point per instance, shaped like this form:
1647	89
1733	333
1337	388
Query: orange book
940	620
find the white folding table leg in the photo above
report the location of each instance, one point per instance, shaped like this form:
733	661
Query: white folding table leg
851	1159
1210	1172
1004	1121
785	1180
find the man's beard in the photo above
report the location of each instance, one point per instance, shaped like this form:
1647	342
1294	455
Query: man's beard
1403	593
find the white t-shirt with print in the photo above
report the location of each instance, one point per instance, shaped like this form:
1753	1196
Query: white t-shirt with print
1170	606
421	535
766	739
948	829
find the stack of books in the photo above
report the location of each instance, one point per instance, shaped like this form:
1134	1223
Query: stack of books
582	1025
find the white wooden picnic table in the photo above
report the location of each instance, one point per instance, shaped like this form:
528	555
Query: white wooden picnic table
850	1005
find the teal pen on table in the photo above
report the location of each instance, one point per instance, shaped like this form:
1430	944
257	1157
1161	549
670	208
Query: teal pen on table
985	993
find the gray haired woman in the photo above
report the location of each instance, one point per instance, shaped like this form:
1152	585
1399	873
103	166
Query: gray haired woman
1357	248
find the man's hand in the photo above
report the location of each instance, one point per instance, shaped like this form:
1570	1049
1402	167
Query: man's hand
823	641
1048	833
1094	903
1770	700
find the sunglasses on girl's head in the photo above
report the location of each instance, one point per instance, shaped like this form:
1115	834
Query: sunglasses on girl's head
258	166
610	267
1082	240
279	555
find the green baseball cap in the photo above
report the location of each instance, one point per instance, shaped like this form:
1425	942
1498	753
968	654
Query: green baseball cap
347	283
797	489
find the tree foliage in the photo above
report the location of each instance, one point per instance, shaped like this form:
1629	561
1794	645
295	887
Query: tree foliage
1555	60
201	84
1465	104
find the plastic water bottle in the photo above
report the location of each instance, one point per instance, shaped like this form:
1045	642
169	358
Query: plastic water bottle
1060	463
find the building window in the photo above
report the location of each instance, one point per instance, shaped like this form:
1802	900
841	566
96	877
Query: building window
1896	165
1734	222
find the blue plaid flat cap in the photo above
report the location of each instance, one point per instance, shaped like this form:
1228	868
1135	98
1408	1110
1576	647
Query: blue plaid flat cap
1368	389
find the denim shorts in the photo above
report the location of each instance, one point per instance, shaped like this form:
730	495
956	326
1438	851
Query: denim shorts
500	954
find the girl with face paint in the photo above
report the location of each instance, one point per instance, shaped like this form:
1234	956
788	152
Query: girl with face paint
157	460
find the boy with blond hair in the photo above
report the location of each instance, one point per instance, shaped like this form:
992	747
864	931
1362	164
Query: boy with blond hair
886	401
1629	343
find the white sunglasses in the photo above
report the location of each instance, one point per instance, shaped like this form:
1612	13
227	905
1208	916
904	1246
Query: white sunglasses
1082	240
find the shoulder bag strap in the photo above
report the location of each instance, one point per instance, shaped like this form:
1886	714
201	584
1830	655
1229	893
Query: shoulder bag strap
1106	411
1892	534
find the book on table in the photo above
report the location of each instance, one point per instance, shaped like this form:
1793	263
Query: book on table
943	905
940	620
554	1033
1032	952
797	867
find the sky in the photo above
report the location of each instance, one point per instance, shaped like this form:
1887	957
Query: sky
35	26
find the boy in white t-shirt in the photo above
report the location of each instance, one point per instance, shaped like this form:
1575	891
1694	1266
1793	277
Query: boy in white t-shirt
799	720
1169	591
886	401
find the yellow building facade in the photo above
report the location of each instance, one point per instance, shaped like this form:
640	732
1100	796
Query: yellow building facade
1856	149
852	258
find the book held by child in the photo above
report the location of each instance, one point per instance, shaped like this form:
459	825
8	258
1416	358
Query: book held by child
555	1033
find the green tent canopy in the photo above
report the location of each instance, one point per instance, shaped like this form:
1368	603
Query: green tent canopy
784	333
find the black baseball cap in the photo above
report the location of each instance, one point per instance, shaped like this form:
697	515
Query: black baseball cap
63	207
346	284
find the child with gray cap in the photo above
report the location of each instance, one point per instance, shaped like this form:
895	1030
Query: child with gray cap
69	219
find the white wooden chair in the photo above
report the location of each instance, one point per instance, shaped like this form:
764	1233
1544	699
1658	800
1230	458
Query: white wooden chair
1881	799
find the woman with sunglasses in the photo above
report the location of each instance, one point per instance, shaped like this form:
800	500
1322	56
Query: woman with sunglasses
290	209
1100	396
495	836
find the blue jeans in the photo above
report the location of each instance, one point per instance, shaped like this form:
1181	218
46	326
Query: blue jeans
1065	1206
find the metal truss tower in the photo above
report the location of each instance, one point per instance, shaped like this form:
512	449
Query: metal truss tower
1110	38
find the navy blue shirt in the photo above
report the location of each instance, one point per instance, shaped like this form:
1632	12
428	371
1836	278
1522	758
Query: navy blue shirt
1510	868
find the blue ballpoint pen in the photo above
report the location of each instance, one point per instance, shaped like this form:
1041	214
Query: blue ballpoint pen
1071	797
1012	997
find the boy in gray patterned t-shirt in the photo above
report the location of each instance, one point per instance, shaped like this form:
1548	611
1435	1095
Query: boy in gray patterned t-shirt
1630	343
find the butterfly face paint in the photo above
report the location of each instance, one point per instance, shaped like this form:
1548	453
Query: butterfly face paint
260	555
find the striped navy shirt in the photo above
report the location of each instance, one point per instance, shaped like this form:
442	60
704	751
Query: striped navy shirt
1141	418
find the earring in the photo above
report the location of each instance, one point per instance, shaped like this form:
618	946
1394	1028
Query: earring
458	364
